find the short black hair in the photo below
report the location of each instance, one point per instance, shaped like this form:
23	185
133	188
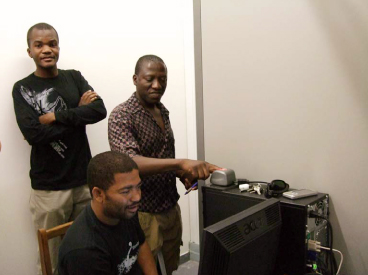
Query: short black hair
40	26
147	58
103	167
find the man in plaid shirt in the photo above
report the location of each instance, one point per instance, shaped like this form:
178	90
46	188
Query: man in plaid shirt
140	127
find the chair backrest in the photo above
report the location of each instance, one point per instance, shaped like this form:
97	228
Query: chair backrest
44	235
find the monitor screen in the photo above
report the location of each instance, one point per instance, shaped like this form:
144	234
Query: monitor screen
245	243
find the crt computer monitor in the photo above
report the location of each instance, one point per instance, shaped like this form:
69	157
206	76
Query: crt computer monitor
245	243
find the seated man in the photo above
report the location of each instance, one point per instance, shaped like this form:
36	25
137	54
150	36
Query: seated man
106	238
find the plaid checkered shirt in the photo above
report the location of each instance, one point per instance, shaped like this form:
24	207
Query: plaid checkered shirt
134	131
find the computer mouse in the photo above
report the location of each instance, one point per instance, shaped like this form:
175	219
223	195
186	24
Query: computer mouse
223	177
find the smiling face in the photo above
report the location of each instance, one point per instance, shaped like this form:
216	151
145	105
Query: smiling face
121	200
44	49
150	83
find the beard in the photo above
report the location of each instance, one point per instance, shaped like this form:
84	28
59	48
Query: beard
115	210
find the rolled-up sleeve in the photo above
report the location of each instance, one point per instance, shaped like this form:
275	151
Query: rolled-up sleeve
122	134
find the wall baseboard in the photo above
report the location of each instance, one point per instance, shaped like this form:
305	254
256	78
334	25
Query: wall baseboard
194	251
184	258
192	255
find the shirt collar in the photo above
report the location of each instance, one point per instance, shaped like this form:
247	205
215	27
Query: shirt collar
137	106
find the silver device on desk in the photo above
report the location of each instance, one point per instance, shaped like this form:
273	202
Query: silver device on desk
223	177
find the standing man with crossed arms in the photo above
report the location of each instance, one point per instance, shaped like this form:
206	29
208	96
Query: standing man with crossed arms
141	128
52	108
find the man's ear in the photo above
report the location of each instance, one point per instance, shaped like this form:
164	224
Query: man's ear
98	194
29	53
135	78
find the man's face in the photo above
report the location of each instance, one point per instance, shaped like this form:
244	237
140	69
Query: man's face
150	82
123	197
44	48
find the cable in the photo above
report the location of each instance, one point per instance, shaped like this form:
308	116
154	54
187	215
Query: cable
333	265
315	246
342	257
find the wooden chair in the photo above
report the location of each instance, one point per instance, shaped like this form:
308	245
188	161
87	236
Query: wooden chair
44	235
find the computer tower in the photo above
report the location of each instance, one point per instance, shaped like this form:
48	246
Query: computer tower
293	257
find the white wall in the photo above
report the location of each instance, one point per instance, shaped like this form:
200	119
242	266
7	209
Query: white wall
285	96
103	40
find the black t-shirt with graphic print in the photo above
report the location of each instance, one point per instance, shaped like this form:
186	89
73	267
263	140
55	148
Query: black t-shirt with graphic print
93	248
60	152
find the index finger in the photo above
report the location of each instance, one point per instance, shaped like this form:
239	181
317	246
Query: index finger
212	168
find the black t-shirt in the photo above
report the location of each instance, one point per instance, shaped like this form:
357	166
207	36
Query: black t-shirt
60	152
93	248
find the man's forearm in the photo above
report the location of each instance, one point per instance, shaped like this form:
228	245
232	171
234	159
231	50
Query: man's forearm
186	169
47	119
83	115
151	166
146	261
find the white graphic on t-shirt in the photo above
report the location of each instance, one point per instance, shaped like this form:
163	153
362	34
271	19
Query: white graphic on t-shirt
128	263
45	102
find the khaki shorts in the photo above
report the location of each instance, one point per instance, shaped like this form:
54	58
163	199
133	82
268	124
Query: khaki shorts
163	232
52	208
